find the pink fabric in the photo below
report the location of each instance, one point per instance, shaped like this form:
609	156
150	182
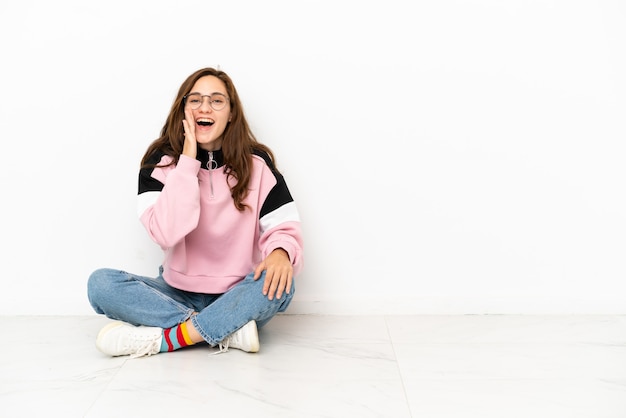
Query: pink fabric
209	245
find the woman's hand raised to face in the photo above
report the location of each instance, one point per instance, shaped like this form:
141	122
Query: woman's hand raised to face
189	146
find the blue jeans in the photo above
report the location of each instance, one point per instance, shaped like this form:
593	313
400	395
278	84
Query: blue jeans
152	302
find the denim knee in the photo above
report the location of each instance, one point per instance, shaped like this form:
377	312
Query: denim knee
99	284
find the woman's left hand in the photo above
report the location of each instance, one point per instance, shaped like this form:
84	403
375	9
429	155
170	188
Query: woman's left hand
278	274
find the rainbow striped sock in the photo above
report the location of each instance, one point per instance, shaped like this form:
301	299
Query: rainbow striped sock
175	338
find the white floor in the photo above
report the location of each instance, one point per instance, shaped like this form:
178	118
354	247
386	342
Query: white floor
328	366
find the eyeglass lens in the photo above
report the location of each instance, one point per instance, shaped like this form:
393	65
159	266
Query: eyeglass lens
216	101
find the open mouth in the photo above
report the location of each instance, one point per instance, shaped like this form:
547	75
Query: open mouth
205	122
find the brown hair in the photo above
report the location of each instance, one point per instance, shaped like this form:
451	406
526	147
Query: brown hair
238	141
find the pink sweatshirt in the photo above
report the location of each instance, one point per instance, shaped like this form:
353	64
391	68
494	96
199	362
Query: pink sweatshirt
210	246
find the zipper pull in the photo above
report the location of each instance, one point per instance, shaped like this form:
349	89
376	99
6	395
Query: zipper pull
211	165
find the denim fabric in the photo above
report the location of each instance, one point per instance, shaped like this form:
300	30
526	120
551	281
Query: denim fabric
140	300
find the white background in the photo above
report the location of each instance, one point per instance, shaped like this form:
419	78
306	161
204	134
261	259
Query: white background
446	156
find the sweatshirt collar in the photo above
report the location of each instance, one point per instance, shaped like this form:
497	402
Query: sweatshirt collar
203	156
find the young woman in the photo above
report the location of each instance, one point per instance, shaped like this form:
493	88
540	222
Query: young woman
211	197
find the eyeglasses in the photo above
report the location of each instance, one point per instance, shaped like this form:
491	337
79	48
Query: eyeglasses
217	101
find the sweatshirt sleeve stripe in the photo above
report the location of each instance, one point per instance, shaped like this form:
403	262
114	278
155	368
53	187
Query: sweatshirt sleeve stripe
277	197
149	187
147	183
286	213
145	200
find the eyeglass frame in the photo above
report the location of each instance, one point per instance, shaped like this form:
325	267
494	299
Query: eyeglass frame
202	96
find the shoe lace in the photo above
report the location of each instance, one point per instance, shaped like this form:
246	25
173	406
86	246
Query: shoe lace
223	345
235	339
144	348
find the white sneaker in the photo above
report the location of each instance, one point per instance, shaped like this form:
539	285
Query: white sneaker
122	339
245	338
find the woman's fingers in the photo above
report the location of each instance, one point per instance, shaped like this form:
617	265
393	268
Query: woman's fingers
277	283
189	145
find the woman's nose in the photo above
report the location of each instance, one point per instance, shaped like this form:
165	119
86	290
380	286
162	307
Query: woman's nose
206	104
